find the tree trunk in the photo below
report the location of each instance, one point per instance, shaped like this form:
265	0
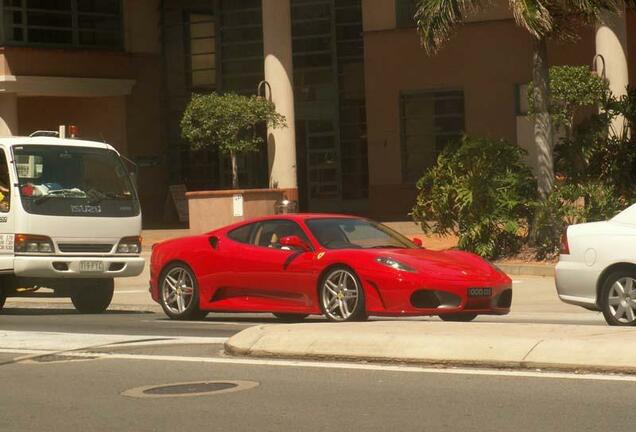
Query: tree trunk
235	180
543	131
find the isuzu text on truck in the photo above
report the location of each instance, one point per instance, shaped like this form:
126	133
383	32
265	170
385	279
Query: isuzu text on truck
70	220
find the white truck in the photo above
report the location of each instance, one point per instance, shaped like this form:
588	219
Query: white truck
70	220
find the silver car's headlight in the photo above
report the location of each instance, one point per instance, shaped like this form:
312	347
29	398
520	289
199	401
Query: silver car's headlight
394	264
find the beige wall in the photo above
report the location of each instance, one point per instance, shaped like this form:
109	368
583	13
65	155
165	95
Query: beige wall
378	15
485	60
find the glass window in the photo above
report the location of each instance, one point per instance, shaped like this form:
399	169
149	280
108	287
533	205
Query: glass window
242	234
80	23
269	233
345	233
202	50
429	122
74	181
405	13
5	184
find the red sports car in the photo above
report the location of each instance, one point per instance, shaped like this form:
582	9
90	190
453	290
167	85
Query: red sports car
343	267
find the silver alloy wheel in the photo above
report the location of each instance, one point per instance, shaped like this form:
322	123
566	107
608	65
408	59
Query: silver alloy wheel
340	295
177	290
622	300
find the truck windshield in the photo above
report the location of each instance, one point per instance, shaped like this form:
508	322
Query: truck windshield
74	181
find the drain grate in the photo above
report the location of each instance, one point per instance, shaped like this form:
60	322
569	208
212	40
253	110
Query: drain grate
189	389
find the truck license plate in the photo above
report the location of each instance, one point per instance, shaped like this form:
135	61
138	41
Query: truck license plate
91	267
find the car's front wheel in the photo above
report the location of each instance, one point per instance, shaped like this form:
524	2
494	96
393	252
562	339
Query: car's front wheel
92	296
179	293
618	298
458	317
341	295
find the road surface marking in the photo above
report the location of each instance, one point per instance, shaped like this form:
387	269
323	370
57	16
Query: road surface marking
51	341
334	365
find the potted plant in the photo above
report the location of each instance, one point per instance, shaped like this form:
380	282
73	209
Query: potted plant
229	122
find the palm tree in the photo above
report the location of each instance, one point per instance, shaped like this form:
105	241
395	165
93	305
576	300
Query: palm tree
543	19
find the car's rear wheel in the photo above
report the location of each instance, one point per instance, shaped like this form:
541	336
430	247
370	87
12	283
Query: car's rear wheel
618	298
179	293
458	317
291	317
92	296
341	295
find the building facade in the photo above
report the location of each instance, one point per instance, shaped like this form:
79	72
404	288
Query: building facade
368	111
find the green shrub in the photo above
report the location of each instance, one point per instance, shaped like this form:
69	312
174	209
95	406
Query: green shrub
482	191
229	122
570	204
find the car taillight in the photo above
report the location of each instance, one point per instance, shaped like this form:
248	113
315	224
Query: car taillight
565	246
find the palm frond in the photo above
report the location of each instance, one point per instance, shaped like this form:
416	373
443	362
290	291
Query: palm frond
436	20
533	15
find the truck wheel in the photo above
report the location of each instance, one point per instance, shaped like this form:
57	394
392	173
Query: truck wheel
92	296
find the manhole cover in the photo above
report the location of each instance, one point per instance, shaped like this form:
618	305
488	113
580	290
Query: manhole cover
189	389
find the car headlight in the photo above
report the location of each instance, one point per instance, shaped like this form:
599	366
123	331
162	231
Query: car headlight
27	243
129	245
394	264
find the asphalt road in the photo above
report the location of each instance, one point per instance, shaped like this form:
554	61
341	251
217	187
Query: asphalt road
86	394
60	371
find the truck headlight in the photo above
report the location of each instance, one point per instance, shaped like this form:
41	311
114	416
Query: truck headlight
129	245
36	244
390	262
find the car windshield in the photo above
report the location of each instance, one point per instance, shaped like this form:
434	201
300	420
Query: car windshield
344	233
74	181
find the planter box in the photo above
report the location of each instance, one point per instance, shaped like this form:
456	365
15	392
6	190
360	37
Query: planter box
213	209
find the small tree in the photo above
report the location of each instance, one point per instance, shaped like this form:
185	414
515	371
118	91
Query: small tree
229	122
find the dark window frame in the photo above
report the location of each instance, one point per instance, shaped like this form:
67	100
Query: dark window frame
406	177
75	30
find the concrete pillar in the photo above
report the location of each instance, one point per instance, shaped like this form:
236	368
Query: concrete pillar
611	44
8	114
277	46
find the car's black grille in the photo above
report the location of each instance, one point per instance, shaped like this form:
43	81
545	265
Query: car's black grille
84	247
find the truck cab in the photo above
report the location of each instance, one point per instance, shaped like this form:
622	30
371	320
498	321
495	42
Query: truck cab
70	220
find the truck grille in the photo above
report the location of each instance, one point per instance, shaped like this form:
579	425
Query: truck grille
84	247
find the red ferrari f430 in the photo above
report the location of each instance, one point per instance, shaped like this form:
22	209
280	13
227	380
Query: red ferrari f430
343	267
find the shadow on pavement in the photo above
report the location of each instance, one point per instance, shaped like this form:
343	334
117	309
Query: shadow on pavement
44	311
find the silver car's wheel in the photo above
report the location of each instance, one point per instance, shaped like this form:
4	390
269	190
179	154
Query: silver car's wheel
341	295
179	293
618	299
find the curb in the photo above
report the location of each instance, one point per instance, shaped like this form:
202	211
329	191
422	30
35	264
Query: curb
486	345
541	270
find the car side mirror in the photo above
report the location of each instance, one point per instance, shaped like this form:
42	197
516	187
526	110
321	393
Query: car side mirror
417	242
294	242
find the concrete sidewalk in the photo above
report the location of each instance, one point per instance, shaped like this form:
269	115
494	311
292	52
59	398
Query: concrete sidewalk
543	346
